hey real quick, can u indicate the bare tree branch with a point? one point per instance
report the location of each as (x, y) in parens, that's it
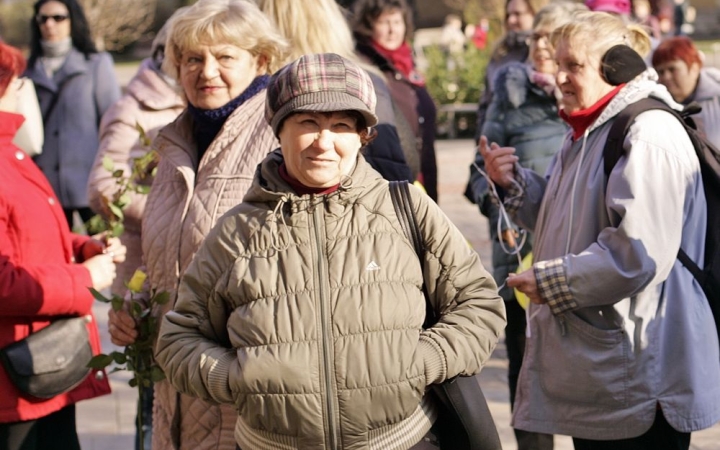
(117, 23)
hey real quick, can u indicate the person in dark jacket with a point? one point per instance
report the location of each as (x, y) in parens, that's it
(381, 29)
(523, 114)
(511, 47)
(75, 85)
(319, 26)
(45, 273)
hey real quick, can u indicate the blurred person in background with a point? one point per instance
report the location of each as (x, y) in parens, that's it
(45, 273)
(523, 114)
(220, 52)
(621, 349)
(319, 26)
(151, 101)
(513, 46)
(75, 85)
(382, 29)
(679, 65)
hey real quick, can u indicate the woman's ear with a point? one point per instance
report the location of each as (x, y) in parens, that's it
(262, 64)
(620, 65)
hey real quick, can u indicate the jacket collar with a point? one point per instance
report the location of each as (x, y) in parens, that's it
(708, 84)
(268, 186)
(74, 64)
(643, 86)
(9, 125)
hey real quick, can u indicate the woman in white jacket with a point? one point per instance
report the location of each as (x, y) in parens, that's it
(622, 350)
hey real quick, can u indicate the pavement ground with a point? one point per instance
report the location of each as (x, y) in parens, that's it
(107, 423)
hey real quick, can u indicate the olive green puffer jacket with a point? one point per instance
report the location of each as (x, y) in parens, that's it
(306, 313)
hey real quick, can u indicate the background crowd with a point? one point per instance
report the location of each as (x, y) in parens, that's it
(273, 128)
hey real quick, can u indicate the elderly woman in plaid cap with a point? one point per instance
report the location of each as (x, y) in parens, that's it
(304, 306)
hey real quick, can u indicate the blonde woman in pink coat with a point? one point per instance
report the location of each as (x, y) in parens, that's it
(151, 101)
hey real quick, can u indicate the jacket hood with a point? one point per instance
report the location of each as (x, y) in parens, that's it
(268, 186)
(643, 86)
(151, 90)
(708, 84)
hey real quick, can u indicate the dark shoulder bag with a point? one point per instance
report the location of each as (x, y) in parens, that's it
(464, 421)
(51, 361)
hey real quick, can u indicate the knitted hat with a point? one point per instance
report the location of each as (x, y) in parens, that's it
(325, 83)
(621, 7)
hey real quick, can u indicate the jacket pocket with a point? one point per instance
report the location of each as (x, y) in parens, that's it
(584, 364)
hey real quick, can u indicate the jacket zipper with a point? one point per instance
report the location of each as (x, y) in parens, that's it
(326, 327)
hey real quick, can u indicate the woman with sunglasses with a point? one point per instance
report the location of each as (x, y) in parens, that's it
(75, 85)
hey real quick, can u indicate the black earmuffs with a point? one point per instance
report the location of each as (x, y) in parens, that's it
(621, 64)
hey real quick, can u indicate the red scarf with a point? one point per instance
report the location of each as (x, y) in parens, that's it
(401, 58)
(579, 121)
(300, 188)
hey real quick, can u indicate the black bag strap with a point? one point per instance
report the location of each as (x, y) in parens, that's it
(613, 150)
(466, 422)
(614, 145)
(402, 202)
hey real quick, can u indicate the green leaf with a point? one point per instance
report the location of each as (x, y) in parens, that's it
(136, 309)
(133, 382)
(142, 189)
(117, 303)
(157, 374)
(161, 298)
(119, 358)
(117, 229)
(108, 164)
(99, 296)
(124, 200)
(100, 361)
(116, 210)
(118, 173)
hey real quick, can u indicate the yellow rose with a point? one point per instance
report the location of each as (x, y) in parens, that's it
(136, 282)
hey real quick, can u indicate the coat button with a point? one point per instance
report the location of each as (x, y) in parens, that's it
(398, 76)
(421, 119)
(99, 375)
(19, 155)
(51, 200)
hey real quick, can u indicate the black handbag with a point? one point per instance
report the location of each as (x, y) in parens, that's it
(464, 421)
(51, 361)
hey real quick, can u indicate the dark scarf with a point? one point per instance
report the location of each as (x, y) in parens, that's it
(579, 121)
(401, 58)
(209, 122)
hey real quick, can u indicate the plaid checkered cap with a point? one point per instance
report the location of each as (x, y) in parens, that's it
(323, 82)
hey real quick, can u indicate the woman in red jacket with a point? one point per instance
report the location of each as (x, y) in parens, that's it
(45, 271)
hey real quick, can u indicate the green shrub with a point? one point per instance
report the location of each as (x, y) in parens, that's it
(455, 79)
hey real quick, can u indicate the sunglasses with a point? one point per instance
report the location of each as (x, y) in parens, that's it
(57, 18)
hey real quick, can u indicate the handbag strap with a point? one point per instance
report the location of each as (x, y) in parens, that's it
(403, 204)
(464, 401)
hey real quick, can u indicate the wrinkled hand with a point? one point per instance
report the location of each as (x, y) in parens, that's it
(122, 328)
(526, 283)
(100, 244)
(102, 270)
(499, 162)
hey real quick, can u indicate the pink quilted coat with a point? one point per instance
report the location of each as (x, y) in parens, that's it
(151, 103)
(186, 200)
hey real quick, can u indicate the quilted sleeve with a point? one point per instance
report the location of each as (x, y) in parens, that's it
(472, 314)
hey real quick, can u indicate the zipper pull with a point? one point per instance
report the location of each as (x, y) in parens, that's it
(563, 326)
